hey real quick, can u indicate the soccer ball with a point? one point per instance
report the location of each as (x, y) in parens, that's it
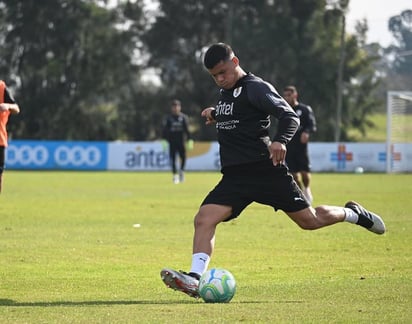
(359, 170)
(217, 286)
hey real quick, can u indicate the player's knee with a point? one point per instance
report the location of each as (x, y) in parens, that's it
(198, 220)
(201, 219)
(210, 217)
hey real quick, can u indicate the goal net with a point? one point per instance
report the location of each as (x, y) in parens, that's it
(399, 132)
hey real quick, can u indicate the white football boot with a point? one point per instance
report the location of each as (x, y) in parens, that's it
(367, 219)
(181, 281)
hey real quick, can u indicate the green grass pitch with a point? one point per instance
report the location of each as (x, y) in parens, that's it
(69, 252)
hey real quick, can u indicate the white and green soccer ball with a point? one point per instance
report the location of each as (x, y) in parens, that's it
(217, 286)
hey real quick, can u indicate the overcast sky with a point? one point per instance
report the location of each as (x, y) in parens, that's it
(377, 13)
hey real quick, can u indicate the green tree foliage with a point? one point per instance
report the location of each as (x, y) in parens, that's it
(69, 58)
(398, 56)
(175, 43)
(285, 42)
(394, 62)
(401, 28)
(77, 65)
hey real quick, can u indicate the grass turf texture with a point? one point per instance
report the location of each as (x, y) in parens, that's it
(69, 252)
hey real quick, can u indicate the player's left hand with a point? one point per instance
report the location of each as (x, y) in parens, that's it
(207, 113)
(277, 152)
(190, 144)
(304, 137)
(4, 107)
(165, 145)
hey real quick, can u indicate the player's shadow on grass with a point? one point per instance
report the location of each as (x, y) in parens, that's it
(12, 303)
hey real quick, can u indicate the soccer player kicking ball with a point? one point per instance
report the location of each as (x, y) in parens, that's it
(253, 168)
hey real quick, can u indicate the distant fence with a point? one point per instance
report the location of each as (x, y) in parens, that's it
(151, 156)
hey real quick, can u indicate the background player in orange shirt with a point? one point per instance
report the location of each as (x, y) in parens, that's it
(7, 106)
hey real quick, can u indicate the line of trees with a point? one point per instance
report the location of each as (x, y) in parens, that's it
(77, 67)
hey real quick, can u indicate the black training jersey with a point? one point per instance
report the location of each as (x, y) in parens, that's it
(175, 128)
(243, 121)
(307, 124)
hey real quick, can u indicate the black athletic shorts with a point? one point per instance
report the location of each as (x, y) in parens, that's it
(2, 158)
(259, 182)
(298, 160)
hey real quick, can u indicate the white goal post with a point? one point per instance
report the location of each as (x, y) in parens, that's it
(399, 131)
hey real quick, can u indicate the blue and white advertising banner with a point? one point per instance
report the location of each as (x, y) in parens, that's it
(401, 156)
(346, 157)
(49, 155)
(153, 156)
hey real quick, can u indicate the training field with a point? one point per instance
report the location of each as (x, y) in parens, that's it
(69, 252)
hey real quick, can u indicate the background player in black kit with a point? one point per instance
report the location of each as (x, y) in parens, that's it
(297, 157)
(176, 133)
(253, 167)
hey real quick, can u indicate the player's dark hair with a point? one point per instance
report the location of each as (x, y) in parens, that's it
(290, 88)
(175, 102)
(216, 53)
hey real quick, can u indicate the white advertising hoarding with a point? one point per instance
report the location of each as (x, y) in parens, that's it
(325, 157)
(346, 157)
(152, 156)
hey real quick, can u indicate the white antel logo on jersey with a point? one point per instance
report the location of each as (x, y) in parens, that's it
(237, 92)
